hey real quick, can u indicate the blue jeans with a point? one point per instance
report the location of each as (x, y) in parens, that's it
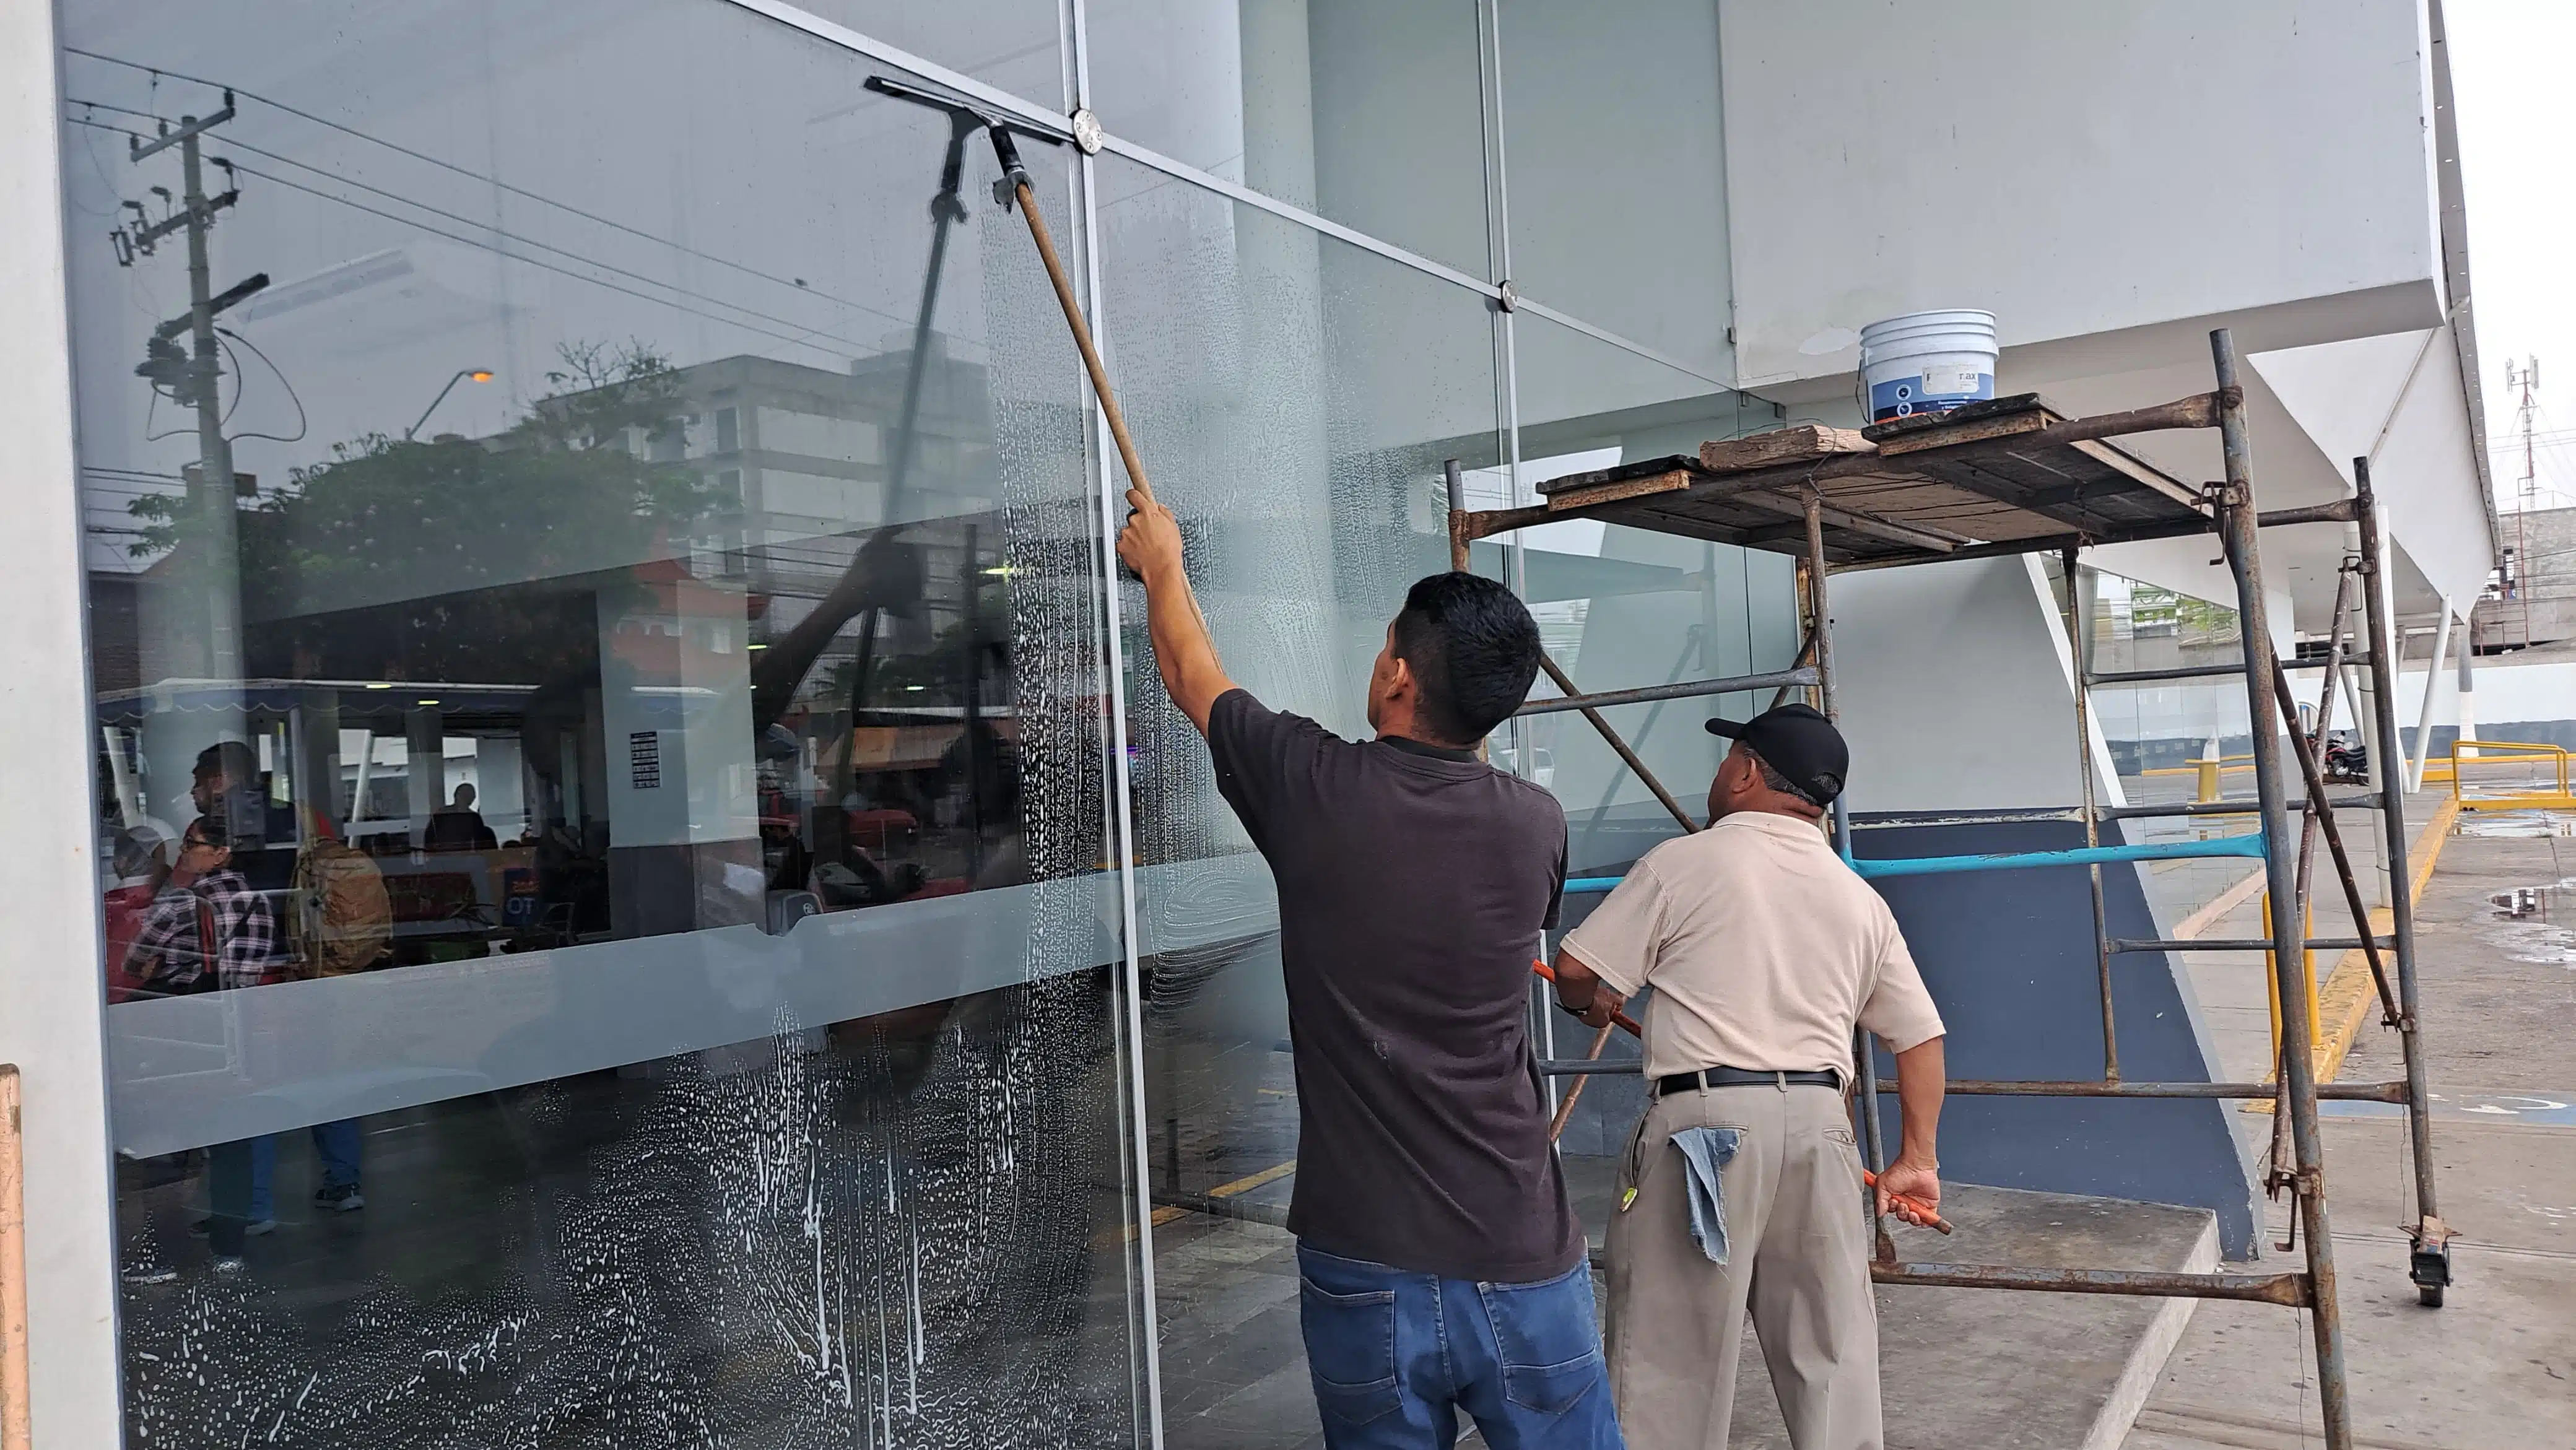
(1395, 1355)
(335, 1144)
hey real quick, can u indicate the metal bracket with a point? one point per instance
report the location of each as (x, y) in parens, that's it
(1086, 131)
(1507, 297)
(2428, 1263)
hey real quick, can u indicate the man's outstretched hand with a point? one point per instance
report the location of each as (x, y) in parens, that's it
(1151, 542)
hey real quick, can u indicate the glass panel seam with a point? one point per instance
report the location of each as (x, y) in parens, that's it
(1115, 664)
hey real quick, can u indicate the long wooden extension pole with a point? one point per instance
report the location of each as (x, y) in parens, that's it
(16, 1430)
(1072, 312)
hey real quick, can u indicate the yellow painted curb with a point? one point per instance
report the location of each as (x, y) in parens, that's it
(2348, 995)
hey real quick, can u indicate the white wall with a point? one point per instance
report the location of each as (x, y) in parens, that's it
(2077, 168)
(1954, 689)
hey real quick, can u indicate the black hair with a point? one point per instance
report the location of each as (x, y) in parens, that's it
(1474, 650)
(1781, 783)
(230, 758)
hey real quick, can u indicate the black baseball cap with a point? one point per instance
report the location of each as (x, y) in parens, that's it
(1798, 742)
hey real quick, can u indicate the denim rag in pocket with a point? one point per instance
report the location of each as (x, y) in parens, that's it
(1705, 1154)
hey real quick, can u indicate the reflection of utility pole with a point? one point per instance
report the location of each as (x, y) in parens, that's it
(2526, 376)
(195, 379)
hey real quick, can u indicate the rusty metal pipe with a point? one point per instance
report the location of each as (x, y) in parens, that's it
(2237, 517)
(2290, 1290)
(1683, 690)
(2430, 1237)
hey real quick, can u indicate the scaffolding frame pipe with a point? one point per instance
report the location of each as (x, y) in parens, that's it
(2430, 1263)
(2079, 639)
(2147, 677)
(2292, 1291)
(1684, 690)
(2243, 551)
(2230, 807)
(1820, 628)
(2239, 944)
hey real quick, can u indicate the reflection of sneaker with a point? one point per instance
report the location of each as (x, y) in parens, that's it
(228, 1263)
(150, 1272)
(339, 1197)
(205, 1227)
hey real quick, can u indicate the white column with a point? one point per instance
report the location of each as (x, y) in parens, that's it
(53, 1024)
(2467, 708)
(2432, 687)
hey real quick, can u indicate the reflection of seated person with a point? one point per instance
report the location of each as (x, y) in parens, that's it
(206, 930)
(139, 857)
(458, 826)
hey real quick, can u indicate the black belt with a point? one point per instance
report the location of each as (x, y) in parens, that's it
(1716, 1077)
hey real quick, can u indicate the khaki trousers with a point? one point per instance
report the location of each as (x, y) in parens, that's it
(1798, 1259)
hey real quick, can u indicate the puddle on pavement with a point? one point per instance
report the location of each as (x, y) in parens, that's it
(2538, 942)
(2523, 925)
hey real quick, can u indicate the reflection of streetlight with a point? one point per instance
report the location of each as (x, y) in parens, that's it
(480, 375)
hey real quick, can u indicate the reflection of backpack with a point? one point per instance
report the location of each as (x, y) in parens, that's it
(343, 920)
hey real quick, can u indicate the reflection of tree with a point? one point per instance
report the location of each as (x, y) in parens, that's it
(391, 519)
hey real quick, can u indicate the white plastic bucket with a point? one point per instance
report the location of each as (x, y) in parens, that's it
(1926, 362)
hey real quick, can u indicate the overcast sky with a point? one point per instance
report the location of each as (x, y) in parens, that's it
(2510, 64)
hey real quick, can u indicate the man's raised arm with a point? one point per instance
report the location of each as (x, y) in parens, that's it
(1151, 545)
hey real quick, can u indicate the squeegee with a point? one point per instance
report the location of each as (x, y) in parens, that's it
(1014, 187)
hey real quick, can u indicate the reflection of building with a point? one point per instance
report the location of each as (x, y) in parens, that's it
(701, 1170)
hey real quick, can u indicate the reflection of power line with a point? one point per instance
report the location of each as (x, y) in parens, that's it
(800, 338)
(793, 340)
(496, 183)
(303, 424)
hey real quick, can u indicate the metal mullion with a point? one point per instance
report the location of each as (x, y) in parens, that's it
(1626, 344)
(1515, 566)
(1237, 191)
(1114, 662)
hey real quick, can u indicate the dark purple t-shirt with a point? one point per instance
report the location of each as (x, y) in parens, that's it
(1413, 885)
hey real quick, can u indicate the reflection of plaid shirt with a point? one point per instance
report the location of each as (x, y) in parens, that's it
(220, 913)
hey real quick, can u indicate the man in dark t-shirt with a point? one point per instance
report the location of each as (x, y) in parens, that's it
(1441, 1265)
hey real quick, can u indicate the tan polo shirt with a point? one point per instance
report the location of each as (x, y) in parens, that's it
(1763, 948)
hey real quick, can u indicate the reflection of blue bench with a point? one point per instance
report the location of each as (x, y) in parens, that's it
(2246, 845)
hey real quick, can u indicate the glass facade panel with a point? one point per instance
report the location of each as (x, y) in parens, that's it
(1624, 607)
(596, 625)
(1367, 113)
(1010, 45)
(1295, 398)
(1617, 187)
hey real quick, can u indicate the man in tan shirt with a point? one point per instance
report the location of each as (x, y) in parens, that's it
(1741, 1187)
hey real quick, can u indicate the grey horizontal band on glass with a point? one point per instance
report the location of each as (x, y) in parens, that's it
(184, 1072)
(1055, 123)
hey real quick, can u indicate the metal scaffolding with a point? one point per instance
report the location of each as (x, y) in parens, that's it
(2011, 477)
